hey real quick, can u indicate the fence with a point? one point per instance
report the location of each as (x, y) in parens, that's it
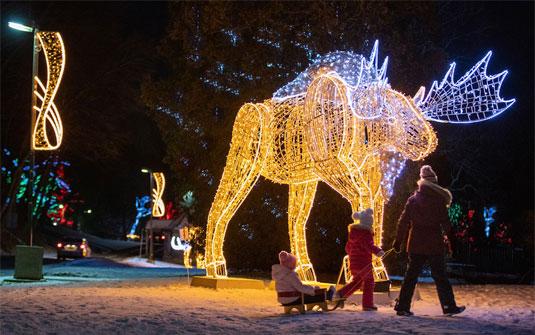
(493, 259)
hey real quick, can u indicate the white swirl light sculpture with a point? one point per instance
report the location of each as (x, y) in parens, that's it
(158, 207)
(340, 122)
(48, 116)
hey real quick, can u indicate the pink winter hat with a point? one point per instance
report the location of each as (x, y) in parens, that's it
(287, 260)
(427, 173)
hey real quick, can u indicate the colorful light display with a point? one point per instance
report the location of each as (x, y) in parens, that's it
(339, 122)
(47, 113)
(142, 210)
(487, 216)
(52, 194)
(158, 206)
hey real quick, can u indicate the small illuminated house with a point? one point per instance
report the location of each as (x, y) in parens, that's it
(169, 232)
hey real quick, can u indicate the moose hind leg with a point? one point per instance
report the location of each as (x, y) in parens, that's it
(244, 163)
(300, 202)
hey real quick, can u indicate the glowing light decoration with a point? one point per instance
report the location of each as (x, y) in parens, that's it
(339, 122)
(158, 207)
(52, 194)
(474, 97)
(141, 211)
(487, 215)
(199, 261)
(179, 245)
(48, 117)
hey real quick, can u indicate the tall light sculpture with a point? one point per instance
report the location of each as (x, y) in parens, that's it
(340, 122)
(45, 119)
(158, 207)
(47, 113)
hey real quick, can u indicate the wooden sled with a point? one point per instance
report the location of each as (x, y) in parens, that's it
(313, 306)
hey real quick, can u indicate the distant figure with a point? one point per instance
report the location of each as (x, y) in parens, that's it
(424, 225)
(288, 285)
(360, 247)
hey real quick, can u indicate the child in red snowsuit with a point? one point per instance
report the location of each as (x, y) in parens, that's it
(360, 247)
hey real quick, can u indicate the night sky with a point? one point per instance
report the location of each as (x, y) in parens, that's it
(109, 136)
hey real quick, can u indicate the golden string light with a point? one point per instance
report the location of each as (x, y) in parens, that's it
(338, 122)
(199, 261)
(47, 113)
(158, 207)
(187, 259)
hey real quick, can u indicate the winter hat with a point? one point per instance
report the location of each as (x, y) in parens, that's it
(365, 218)
(287, 260)
(427, 173)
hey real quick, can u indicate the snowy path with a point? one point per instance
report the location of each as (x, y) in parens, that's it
(170, 306)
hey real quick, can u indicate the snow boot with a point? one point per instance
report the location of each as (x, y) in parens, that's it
(452, 310)
(369, 308)
(338, 303)
(404, 313)
(330, 293)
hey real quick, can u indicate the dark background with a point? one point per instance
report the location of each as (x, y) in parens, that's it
(124, 59)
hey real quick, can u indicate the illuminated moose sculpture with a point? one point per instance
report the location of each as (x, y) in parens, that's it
(340, 122)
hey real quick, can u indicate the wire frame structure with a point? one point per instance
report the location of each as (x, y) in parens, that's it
(48, 129)
(341, 123)
(158, 207)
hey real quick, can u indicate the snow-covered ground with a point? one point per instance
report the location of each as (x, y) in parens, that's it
(142, 263)
(171, 306)
(101, 268)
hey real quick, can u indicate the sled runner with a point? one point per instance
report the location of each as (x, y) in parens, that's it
(302, 307)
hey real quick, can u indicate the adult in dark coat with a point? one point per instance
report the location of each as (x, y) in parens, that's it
(423, 226)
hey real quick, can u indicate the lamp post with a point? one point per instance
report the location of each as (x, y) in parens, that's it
(35, 65)
(150, 237)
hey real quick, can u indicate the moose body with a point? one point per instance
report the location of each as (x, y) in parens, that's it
(338, 122)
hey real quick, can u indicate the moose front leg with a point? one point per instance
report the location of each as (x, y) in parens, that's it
(301, 198)
(372, 175)
(244, 163)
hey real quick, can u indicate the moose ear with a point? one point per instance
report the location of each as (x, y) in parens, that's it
(419, 96)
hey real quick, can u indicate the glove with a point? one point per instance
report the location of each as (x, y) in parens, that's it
(396, 246)
(380, 253)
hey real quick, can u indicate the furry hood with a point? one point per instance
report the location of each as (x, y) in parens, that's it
(444, 192)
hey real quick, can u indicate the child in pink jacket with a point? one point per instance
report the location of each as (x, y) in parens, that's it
(288, 285)
(360, 247)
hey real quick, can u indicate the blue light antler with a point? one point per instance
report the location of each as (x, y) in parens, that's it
(473, 98)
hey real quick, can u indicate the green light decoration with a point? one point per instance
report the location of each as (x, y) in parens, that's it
(455, 213)
(52, 194)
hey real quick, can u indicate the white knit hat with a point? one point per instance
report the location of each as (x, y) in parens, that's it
(427, 173)
(365, 218)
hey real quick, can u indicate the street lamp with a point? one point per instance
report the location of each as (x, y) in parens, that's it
(45, 120)
(20, 27)
(35, 64)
